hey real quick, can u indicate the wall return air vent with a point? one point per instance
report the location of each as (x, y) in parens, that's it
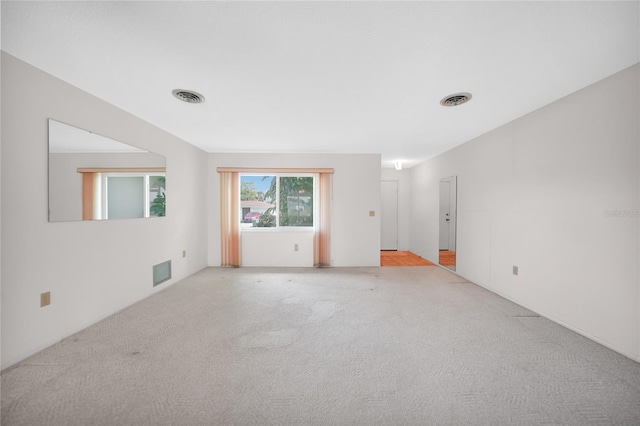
(161, 272)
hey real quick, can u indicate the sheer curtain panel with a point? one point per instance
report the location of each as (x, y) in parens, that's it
(230, 218)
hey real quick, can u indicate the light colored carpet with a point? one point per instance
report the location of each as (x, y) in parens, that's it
(360, 346)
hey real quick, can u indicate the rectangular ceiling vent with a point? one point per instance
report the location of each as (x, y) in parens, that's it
(161, 272)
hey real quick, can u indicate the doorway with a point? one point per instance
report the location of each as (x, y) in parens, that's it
(389, 215)
(447, 224)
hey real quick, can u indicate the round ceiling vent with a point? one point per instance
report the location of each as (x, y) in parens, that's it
(188, 96)
(456, 99)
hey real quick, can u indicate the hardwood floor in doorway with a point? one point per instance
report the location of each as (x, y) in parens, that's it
(447, 258)
(402, 258)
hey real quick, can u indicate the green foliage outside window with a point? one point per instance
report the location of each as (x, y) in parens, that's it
(158, 204)
(248, 192)
(295, 202)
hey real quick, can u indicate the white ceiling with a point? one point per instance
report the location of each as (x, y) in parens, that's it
(311, 77)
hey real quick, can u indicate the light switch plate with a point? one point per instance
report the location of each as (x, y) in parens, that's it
(372, 213)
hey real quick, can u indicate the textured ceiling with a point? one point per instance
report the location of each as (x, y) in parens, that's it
(346, 77)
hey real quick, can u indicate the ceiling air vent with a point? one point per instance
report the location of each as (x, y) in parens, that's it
(188, 96)
(456, 99)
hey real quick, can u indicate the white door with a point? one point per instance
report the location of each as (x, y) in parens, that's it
(445, 214)
(389, 216)
(448, 208)
(453, 208)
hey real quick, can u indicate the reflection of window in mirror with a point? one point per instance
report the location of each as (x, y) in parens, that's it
(157, 195)
(123, 195)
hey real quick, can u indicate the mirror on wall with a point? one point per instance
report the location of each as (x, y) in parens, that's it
(448, 222)
(92, 177)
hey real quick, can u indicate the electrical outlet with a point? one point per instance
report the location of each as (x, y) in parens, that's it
(45, 299)
(295, 247)
(515, 270)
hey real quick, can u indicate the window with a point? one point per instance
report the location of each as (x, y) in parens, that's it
(230, 216)
(272, 201)
(131, 195)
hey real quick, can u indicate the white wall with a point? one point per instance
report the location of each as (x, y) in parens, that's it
(403, 178)
(0, 205)
(535, 193)
(355, 236)
(266, 247)
(91, 268)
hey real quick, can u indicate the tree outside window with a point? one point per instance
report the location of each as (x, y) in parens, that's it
(291, 199)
